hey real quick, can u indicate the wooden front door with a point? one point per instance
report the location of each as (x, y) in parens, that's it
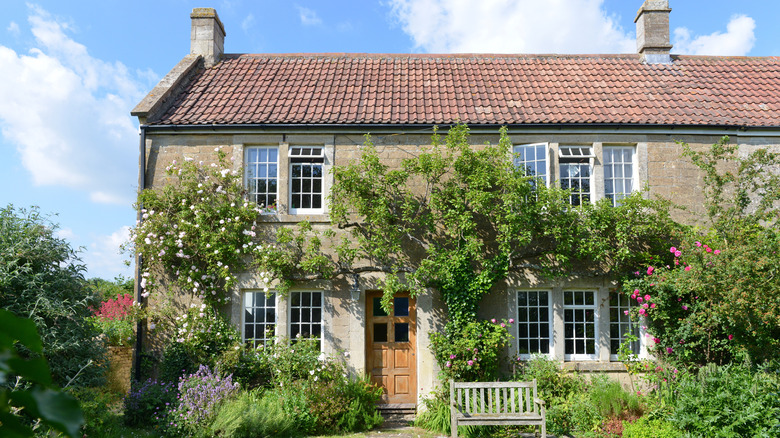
(390, 348)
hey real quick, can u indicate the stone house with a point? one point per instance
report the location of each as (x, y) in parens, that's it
(602, 124)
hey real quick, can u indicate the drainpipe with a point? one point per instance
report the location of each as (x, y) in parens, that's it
(140, 326)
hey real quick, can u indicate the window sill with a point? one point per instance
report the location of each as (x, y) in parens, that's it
(595, 366)
(294, 218)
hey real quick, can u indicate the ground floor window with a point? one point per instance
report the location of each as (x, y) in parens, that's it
(533, 322)
(620, 324)
(259, 317)
(305, 314)
(580, 324)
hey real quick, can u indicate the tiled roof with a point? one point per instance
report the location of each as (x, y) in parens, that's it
(343, 89)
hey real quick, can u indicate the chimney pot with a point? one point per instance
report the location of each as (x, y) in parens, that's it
(652, 32)
(207, 37)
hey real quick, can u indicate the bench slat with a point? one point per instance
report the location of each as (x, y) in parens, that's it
(496, 403)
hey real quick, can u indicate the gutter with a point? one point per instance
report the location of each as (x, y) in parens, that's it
(140, 326)
(514, 129)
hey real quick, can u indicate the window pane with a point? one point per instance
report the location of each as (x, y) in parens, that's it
(402, 332)
(401, 306)
(380, 332)
(378, 307)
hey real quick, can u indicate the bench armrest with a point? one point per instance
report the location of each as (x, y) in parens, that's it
(538, 401)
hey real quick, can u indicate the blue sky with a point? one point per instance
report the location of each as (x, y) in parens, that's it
(71, 71)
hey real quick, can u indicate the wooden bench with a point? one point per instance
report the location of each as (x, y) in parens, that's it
(496, 403)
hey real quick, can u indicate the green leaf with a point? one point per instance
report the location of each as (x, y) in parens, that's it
(57, 409)
(11, 427)
(35, 370)
(14, 328)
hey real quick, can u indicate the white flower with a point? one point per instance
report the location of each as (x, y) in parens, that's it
(316, 378)
(322, 357)
(152, 326)
(145, 294)
(188, 159)
(311, 372)
(346, 354)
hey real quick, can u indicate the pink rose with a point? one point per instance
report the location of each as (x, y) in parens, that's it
(656, 340)
(731, 337)
(625, 312)
(677, 253)
(642, 311)
(717, 251)
(672, 250)
(650, 270)
(511, 320)
(698, 244)
(652, 305)
(669, 350)
(685, 307)
(470, 362)
(639, 299)
(493, 320)
(647, 297)
(687, 268)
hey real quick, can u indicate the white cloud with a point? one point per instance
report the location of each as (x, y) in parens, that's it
(104, 257)
(67, 113)
(248, 22)
(512, 26)
(65, 233)
(308, 16)
(13, 28)
(737, 41)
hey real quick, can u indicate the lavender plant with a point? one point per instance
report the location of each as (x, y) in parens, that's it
(200, 394)
(148, 402)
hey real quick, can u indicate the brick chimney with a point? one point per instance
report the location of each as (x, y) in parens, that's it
(207, 37)
(652, 32)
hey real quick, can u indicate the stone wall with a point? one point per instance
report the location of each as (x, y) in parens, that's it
(120, 361)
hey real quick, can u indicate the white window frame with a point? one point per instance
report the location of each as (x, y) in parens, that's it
(518, 162)
(596, 328)
(316, 155)
(246, 304)
(568, 151)
(291, 308)
(622, 321)
(550, 323)
(247, 183)
(632, 178)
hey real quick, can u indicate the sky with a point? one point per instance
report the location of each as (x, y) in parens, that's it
(71, 72)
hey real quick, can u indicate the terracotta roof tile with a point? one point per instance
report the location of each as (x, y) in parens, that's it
(491, 89)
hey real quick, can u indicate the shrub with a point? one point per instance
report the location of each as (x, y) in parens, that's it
(611, 400)
(731, 400)
(471, 351)
(199, 396)
(252, 414)
(148, 401)
(644, 427)
(553, 382)
(115, 319)
(176, 362)
(42, 278)
(436, 415)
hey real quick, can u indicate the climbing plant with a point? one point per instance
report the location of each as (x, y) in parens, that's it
(460, 217)
(200, 231)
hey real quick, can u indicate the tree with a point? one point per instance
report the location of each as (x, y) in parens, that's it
(41, 278)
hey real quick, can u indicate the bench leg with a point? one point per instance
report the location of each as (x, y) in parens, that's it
(454, 428)
(544, 430)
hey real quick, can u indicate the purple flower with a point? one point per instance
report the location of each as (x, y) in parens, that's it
(452, 356)
(669, 350)
(685, 307)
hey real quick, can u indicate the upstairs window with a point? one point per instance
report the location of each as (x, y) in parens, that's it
(532, 158)
(306, 172)
(576, 163)
(618, 173)
(262, 176)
